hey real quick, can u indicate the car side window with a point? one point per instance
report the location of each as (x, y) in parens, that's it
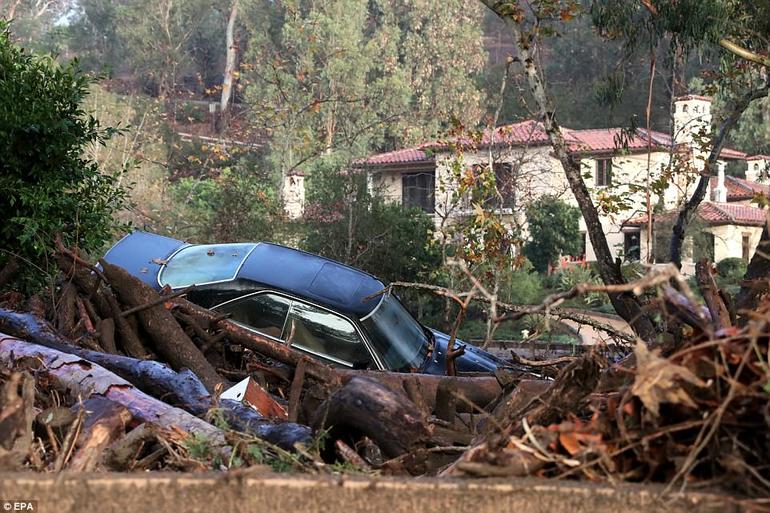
(265, 313)
(325, 334)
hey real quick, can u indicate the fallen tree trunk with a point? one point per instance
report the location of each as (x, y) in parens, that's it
(105, 422)
(181, 389)
(474, 393)
(82, 378)
(365, 406)
(170, 339)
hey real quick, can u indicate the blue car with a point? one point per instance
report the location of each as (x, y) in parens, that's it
(328, 310)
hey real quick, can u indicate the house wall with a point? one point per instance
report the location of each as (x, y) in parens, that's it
(388, 184)
(728, 240)
(539, 174)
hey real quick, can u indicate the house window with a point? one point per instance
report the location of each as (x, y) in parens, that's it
(603, 172)
(417, 190)
(746, 246)
(632, 246)
(504, 180)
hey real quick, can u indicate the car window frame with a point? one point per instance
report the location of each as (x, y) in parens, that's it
(252, 328)
(367, 344)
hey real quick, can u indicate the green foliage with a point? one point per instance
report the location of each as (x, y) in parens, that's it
(346, 222)
(350, 77)
(522, 286)
(235, 205)
(49, 186)
(576, 275)
(731, 270)
(554, 231)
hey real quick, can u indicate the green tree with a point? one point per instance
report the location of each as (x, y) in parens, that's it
(49, 187)
(346, 222)
(157, 35)
(553, 232)
(354, 76)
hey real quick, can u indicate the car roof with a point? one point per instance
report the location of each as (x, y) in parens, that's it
(269, 265)
(304, 274)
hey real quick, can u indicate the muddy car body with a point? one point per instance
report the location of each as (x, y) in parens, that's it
(328, 310)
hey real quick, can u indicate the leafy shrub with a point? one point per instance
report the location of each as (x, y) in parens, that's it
(236, 205)
(731, 269)
(524, 286)
(554, 231)
(578, 274)
(346, 222)
(49, 186)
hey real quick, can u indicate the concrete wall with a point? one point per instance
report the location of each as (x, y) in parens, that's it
(247, 491)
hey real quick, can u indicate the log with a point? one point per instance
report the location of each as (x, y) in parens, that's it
(477, 392)
(170, 339)
(107, 335)
(181, 389)
(17, 398)
(365, 406)
(121, 454)
(66, 310)
(105, 422)
(526, 393)
(573, 384)
(128, 336)
(446, 401)
(82, 378)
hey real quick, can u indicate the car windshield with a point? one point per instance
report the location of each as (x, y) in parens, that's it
(196, 265)
(400, 340)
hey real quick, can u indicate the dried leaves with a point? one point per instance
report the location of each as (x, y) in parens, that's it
(660, 381)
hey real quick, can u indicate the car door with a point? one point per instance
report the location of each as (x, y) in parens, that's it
(316, 331)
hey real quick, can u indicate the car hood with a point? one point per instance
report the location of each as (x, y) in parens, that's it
(142, 254)
(473, 360)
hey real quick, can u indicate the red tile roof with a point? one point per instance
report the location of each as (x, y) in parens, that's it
(741, 189)
(611, 139)
(532, 133)
(407, 155)
(758, 157)
(732, 213)
(693, 97)
(715, 214)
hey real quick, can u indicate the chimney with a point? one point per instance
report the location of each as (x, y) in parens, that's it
(758, 168)
(294, 195)
(692, 117)
(720, 191)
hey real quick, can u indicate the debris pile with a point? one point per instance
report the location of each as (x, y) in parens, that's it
(113, 375)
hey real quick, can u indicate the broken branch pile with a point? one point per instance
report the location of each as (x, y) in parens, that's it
(130, 379)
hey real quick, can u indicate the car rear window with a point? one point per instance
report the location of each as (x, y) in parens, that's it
(208, 263)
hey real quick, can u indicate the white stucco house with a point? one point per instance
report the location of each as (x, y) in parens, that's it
(620, 169)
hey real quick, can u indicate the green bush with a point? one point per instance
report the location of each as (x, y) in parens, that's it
(235, 205)
(524, 286)
(347, 223)
(49, 185)
(554, 231)
(731, 269)
(578, 274)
